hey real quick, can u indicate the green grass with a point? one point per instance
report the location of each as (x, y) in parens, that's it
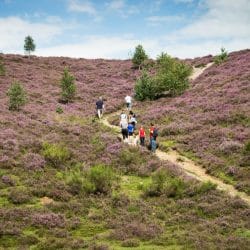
(242, 232)
(166, 144)
(227, 179)
(132, 185)
(190, 155)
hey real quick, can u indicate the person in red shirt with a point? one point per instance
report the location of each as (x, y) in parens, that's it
(142, 136)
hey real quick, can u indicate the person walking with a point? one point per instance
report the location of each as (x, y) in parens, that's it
(130, 131)
(142, 136)
(123, 115)
(151, 131)
(133, 120)
(124, 129)
(128, 100)
(100, 107)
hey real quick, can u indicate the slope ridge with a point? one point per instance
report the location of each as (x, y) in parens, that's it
(191, 168)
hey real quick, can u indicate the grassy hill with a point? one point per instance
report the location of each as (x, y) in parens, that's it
(67, 182)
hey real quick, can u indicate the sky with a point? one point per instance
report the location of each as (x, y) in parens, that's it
(112, 29)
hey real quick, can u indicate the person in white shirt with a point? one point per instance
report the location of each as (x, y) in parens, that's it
(128, 100)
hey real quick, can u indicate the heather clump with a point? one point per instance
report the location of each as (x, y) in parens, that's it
(68, 86)
(48, 220)
(17, 96)
(33, 161)
(19, 195)
(55, 154)
(2, 68)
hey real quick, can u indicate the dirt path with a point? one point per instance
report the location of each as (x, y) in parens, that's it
(191, 168)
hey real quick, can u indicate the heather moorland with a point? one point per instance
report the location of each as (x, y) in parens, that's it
(68, 182)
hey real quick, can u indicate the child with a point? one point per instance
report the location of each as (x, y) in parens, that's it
(142, 136)
(130, 130)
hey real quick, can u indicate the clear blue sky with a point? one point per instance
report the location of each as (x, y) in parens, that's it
(112, 28)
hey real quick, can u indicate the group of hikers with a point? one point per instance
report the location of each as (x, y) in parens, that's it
(128, 123)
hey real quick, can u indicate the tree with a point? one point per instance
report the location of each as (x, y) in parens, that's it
(171, 79)
(68, 86)
(222, 57)
(144, 87)
(139, 56)
(17, 96)
(29, 44)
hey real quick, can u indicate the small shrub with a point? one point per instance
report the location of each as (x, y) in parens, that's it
(222, 57)
(139, 56)
(175, 188)
(102, 178)
(49, 220)
(59, 110)
(57, 155)
(68, 86)
(33, 161)
(97, 179)
(17, 96)
(19, 195)
(157, 185)
(206, 187)
(131, 243)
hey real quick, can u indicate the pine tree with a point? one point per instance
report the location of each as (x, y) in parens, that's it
(68, 86)
(139, 56)
(17, 96)
(29, 45)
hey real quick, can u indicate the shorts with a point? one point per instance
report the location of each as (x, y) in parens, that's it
(130, 133)
(128, 104)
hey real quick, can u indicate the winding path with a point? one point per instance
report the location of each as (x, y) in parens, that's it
(190, 168)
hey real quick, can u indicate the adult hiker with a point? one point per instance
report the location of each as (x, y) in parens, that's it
(153, 139)
(151, 131)
(142, 135)
(128, 100)
(124, 128)
(133, 120)
(123, 115)
(100, 107)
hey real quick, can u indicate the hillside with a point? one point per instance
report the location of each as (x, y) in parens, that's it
(55, 192)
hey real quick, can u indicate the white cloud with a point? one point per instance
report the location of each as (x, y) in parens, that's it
(14, 29)
(116, 4)
(121, 7)
(99, 47)
(224, 19)
(84, 6)
(157, 20)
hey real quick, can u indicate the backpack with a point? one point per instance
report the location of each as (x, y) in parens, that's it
(155, 132)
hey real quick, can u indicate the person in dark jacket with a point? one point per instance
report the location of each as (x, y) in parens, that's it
(100, 107)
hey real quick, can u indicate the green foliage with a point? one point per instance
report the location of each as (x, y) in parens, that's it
(163, 184)
(222, 57)
(206, 187)
(156, 187)
(171, 79)
(17, 96)
(2, 68)
(68, 86)
(144, 88)
(29, 45)
(172, 75)
(247, 148)
(102, 178)
(139, 56)
(59, 110)
(97, 179)
(56, 154)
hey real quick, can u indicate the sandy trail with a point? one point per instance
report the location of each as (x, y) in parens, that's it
(190, 168)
